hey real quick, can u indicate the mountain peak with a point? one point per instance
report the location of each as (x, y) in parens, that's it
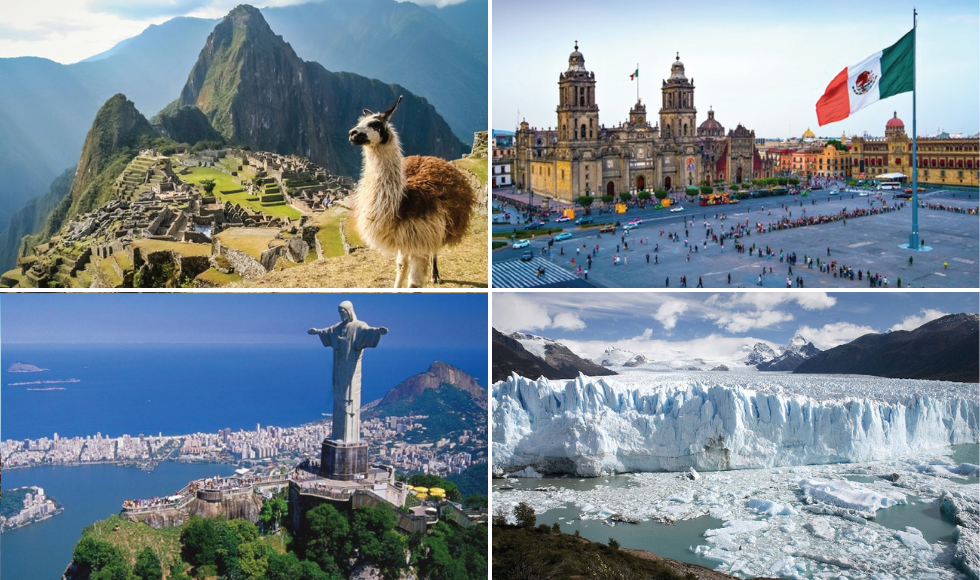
(438, 374)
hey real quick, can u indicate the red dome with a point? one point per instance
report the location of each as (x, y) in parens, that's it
(895, 121)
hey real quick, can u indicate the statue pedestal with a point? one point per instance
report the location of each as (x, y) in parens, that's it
(343, 461)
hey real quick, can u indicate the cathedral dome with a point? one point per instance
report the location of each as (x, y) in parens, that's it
(895, 122)
(711, 126)
(808, 134)
(576, 61)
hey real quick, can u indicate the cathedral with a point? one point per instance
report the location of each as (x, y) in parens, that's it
(582, 157)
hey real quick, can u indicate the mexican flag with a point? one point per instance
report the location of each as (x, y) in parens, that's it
(635, 74)
(884, 74)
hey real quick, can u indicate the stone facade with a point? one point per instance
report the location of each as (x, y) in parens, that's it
(343, 461)
(582, 157)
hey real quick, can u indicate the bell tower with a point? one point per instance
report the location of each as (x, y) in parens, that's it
(578, 115)
(677, 112)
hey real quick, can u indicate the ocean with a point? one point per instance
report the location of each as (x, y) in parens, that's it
(179, 389)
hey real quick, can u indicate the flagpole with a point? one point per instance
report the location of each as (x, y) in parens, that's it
(914, 243)
(637, 82)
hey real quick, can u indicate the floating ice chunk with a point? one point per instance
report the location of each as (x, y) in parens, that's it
(848, 495)
(735, 527)
(861, 534)
(788, 527)
(682, 497)
(586, 507)
(770, 508)
(526, 472)
(786, 568)
(694, 474)
(821, 528)
(912, 538)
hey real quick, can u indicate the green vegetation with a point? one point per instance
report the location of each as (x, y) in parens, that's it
(586, 200)
(182, 248)
(625, 196)
(495, 245)
(448, 409)
(430, 481)
(208, 185)
(644, 195)
(607, 198)
(690, 191)
(329, 233)
(524, 234)
(523, 551)
(660, 194)
(216, 278)
(706, 189)
(252, 241)
(12, 501)
(452, 553)
(475, 165)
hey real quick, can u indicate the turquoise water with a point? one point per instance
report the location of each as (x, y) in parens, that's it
(88, 493)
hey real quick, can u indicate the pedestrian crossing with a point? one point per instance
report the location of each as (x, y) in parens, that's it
(517, 274)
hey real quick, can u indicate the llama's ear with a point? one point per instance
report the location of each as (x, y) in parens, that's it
(368, 112)
(391, 109)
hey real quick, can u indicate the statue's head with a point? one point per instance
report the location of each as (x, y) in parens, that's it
(346, 310)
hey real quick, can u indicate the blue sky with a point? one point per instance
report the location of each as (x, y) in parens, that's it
(435, 320)
(67, 31)
(717, 323)
(763, 63)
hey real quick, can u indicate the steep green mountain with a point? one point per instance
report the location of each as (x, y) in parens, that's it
(256, 91)
(185, 124)
(117, 134)
(31, 218)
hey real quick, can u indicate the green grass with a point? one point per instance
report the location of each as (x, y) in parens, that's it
(225, 182)
(184, 249)
(498, 244)
(215, 277)
(524, 234)
(123, 260)
(477, 166)
(84, 279)
(329, 234)
(353, 237)
(110, 274)
(132, 538)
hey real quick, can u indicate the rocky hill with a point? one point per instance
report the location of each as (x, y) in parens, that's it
(944, 349)
(256, 91)
(552, 360)
(439, 373)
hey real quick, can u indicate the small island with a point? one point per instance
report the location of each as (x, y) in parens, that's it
(19, 367)
(25, 505)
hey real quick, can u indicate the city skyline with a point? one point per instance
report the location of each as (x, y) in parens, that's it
(779, 57)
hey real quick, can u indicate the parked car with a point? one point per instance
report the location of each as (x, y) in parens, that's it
(521, 244)
(636, 221)
(527, 256)
(563, 236)
(834, 192)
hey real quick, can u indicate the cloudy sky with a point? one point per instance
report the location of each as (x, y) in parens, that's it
(68, 31)
(763, 63)
(716, 325)
(440, 320)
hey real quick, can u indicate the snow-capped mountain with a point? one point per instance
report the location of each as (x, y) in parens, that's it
(617, 357)
(717, 421)
(787, 358)
(536, 356)
(760, 353)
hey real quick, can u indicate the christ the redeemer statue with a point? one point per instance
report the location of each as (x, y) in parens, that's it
(348, 338)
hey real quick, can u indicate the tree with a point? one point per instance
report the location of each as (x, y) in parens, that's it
(525, 515)
(252, 560)
(556, 528)
(613, 544)
(644, 195)
(794, 181)
(706, 189)
(781, 181)
(198, 542)
(690, 191)
(476, 501)
(607, 198)
(735, 186)
(325, 538)
(585, 200)
(625, 196)
(208, 185)
(272, 513)
(660, 194)
(373, 531)
(148, 566)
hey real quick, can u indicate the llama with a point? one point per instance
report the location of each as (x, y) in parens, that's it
(410, 207)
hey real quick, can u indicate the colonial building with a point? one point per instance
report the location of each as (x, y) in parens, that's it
(503, 158)
(580, 156)
(941, 161)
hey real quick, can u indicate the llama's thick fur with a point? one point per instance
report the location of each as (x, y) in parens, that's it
(407, 207)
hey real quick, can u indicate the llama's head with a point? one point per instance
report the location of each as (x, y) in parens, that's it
(374, 128)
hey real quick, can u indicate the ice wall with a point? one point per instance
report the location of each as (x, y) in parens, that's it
(655, 422)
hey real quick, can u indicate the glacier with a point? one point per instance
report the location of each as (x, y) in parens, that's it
(642, 421)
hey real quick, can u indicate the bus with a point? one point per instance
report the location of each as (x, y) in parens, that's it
(889, 185)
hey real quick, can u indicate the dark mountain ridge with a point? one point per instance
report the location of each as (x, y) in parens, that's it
(945, 349)
(510, 356)
(438, 374)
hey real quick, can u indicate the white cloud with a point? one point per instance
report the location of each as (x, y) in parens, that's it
(668, 313)
(768, 300)
(831, 335)
(710, 348)
(916, 320)
(522, 312)
(744, 321)
(568, 321)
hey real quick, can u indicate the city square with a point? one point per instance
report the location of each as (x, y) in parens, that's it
(780, 180)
